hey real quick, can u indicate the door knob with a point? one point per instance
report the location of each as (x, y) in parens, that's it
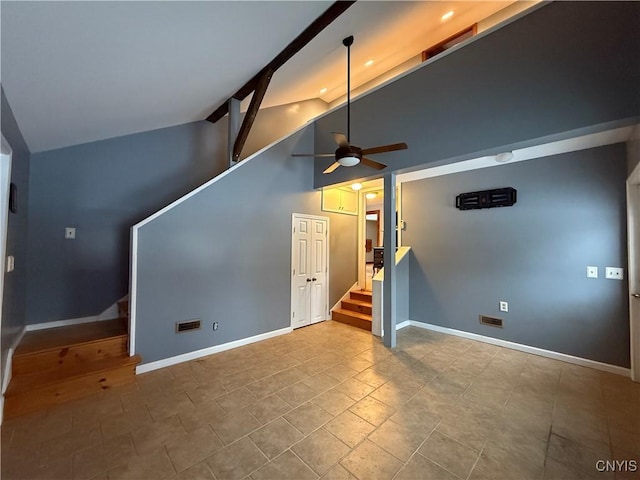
(635, 295)
(308, 279)
(314, 279)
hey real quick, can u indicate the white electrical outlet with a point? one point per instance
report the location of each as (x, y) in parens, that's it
(504, 306)
(70, 233)
(614, 273)
(11, 263)
(592, 272)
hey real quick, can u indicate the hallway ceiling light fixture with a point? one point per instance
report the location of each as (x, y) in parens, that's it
(371, 195)
(368, 63)
(504, 157)
(323, 91)
(356, 186)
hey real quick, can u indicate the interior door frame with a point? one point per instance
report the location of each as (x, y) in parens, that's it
(633, 233)
(5, 181)
(294, 216)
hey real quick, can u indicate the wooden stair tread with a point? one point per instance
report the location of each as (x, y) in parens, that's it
(360, 303)
(351, 313)
(368, 293)
(26, 382)
(60, 337)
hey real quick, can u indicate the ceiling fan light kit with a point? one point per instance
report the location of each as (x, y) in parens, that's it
(348, 155)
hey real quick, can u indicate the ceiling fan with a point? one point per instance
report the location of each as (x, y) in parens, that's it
(348, 155)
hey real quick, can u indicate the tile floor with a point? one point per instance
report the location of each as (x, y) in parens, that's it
(329, 401)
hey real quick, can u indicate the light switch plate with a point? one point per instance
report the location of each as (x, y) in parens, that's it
(614, 273)
(11, 263)
(70, 233)
(592, 272)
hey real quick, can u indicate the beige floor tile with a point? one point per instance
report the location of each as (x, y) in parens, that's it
(554, 470)
(575, 455)
(268, 409)
(399, 440)
(236, 399)
(370, 461)
(372, 410)
(287, 465)
(392, 395)
(320, 451)
(199, 471)
(290, 376)
(276, 437)
(265, 387)
(371, 377)
(236, 461)
(333, 401)
(308, 417)
(206, 392)
(234, 425)
(296, 394)
(237, 380)
(354, 388)
(155, 465)
(187, 450)
(150, 438)
(338, 472)
(449, 454)
(350, 428)
(488, 468)
(125, 422)
(340, 372)
(96, 460)
(421, 468)
(66, 445)
(320, 382)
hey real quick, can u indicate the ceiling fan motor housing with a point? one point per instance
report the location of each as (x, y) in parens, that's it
(348, 151)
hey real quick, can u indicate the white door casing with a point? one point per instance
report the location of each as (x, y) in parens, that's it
(309, 270)
(633, 229)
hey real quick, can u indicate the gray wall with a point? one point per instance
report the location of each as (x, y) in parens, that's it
(102, 189)
(567, 66)
(570, 213)
(15, 283)
(225, 254)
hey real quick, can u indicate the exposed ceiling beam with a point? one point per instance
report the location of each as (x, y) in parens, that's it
(319, 24)
(250, 116)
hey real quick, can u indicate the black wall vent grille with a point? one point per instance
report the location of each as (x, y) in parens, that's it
(499, 197)
(187, 326)
(491, 321)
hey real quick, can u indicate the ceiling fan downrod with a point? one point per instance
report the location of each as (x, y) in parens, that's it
(347, 42)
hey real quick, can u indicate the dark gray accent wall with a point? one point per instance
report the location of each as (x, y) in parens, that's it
(570, 213)
(102, 189)
(224, 255)
(15, 283)
(567, 67)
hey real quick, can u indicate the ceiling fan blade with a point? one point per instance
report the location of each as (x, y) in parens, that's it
(384, 148)
(372, 163)
(340, 139)
(332, 167)
(313, 154)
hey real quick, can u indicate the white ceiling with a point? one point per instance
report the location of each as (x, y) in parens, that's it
(75, 72)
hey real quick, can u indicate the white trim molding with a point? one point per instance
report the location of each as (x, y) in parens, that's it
(62, 323)
(186, 357)
(563, 357)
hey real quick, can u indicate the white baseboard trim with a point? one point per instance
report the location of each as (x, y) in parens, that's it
(584, 362)
(64, 323)
(6, 378)
(344, 297)
(185, 357)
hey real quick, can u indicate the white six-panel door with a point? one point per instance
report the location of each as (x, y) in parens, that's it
(309, 270)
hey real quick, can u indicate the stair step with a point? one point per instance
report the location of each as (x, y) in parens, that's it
(362, 295)
(65, 358)
(357, 306)
(352, 318)
(34, 391)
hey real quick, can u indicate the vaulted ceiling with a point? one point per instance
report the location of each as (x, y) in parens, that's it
(75, 72)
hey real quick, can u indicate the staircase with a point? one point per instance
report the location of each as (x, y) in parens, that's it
(356, 310)
(57, 365)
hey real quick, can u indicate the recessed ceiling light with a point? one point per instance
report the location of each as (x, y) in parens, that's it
(504, 157)
(323, 91)
(368, 63)
(356, 186)
(447, 15)
(371, 195)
